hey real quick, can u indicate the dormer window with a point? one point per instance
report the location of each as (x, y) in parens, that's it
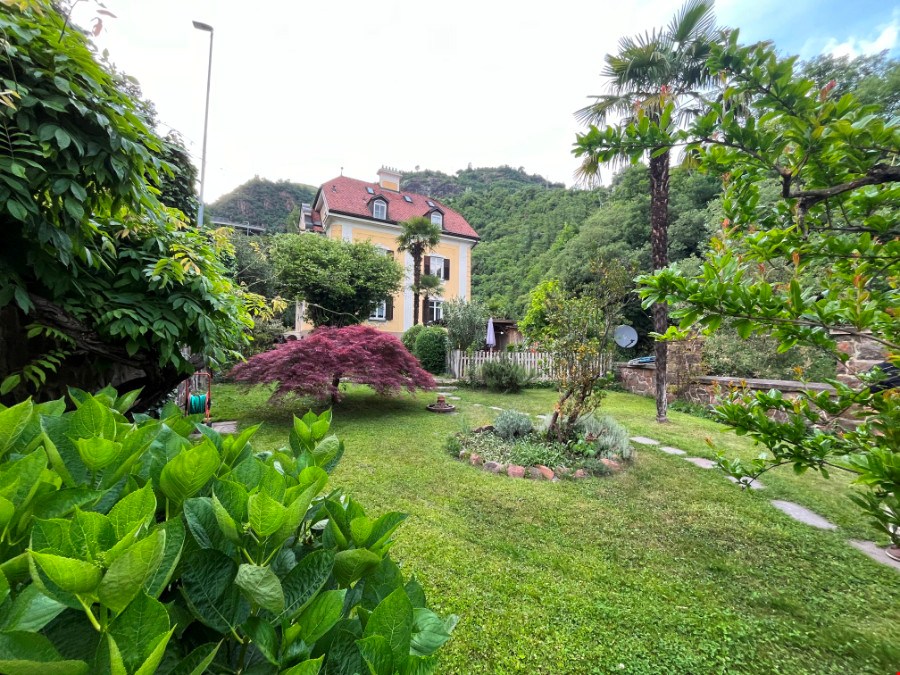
(437, 218)
(379, 209)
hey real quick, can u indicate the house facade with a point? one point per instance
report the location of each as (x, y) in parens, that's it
(355, 210)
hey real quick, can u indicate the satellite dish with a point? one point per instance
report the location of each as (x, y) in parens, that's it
(625, 336)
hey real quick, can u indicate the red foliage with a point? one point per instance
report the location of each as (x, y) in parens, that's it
(315, 365)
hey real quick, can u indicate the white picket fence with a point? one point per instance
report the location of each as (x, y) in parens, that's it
(461, 365)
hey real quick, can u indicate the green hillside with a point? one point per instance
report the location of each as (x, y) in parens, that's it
(443, 186)
(263, 202)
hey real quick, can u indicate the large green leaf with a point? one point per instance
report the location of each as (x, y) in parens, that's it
(208, 585)
(233, 497)
(175, 535)
(343, 656)
(63, 502)
(383, 528)
(12, 423)
(97, 453)
(320, 615)
(73, 576)
(305, 580)
(265, 513)
(187, 473)
(134, 509)
(309, 667)
(149, 666)
(261, 587)
(93, 419)
(137, 628)
(91, 534)
(116, 660)
(33, 654)
(7, 511)
(128, 574)
(353, 564)
(393, 620)
(200, 516)
(226, 523)
(376, 652)
(30, 611)
(429, 631)
(197, 662)
(419, 665)
(264, 637)
(19, 479)
(52, 535)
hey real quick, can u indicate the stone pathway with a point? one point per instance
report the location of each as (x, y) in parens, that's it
(701, 462)
(803, 514)
(795, 511)
(225, 427)
(752, 483)
(493, 407)
(875, 553)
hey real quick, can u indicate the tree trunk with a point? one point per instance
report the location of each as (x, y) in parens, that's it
(417, 277)
(659, 245)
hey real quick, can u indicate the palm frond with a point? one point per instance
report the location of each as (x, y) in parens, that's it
(603, 107)
(695, 21)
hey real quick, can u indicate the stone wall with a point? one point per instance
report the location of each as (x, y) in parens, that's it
(864, 353)
(707, 389)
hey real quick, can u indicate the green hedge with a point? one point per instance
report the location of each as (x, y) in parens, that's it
(431, 349)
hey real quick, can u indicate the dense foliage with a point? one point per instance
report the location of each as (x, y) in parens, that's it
(97, 278)
(835, 161)
(443, 186)
(503, 376)
(431, 349)
(341, 282)
(410, 335)
(315, 365)
(273, 205)
(512, 424)
(127, 547)
(466, 323)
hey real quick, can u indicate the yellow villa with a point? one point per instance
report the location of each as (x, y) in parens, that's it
(355, 210)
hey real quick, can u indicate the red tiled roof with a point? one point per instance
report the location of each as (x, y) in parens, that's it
(349, 196)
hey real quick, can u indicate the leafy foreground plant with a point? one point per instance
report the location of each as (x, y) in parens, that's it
(127, 547)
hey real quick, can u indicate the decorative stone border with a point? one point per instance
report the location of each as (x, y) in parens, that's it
(538, 472)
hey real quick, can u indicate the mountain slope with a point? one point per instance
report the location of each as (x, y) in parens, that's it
(262, 202)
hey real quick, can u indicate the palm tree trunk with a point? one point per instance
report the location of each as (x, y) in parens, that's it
(659, 245)
(417, 277)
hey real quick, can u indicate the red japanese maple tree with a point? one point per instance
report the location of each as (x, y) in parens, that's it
(315, 365)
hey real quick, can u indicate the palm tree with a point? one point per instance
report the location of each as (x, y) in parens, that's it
(650, 73)
(418, 235)
(429, 286)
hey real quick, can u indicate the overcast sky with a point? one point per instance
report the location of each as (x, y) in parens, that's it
(301, 89)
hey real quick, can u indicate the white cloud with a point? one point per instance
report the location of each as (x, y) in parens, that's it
(855, 46)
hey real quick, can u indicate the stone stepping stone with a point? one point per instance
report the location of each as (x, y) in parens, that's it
(225, 427)
(493, 407)
(671, 451)
(875, 553)
(753, 484)
(803, 514)
(701, 462)
(643, 440)
(454, 398)
(445, 387)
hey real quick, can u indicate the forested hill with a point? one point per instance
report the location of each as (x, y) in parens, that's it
(263, 202)
(531, 228)
(443, 186)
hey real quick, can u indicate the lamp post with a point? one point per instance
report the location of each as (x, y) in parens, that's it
(205, 27)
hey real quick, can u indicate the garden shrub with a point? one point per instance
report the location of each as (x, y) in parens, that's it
(431, 349)
(409, 337)
(602, 437)
(504, 376)
(126, 545)
(512, 424)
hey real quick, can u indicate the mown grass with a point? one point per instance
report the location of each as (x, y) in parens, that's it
(666, 568)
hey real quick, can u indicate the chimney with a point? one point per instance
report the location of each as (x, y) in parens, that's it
(389, 179)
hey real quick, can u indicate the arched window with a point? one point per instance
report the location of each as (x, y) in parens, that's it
(437, 218)
(379, 209)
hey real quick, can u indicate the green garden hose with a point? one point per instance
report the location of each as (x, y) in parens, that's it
(197, 404)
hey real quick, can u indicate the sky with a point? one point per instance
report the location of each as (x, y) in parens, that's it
(301, 91)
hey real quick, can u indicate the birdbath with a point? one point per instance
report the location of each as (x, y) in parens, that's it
(441, 406)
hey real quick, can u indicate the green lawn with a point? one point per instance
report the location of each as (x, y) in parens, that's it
(665, 568)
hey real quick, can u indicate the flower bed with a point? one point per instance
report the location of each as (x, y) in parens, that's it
(514, 447)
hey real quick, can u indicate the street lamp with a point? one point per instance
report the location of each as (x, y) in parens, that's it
(204, 26)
